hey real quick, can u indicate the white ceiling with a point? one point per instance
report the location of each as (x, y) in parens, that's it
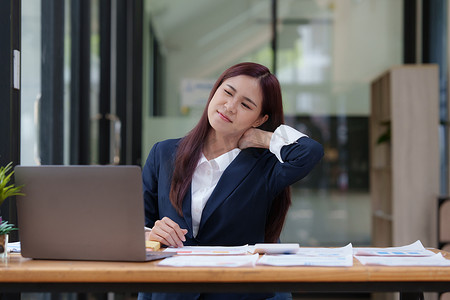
(214, 33)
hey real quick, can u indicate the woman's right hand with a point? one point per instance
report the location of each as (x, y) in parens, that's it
(168, 233)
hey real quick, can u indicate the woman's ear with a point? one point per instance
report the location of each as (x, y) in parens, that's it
(260, 121)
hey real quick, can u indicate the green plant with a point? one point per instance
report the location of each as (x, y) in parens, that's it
(6, 227)
(6, 189)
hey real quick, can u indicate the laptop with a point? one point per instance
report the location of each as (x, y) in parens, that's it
(82, 213)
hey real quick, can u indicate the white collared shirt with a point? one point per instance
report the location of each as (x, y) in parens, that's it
(204, 180)
(208, 173)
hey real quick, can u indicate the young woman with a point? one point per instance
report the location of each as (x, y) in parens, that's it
(227, 181)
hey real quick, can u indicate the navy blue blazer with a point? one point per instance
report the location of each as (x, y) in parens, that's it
(236, 211)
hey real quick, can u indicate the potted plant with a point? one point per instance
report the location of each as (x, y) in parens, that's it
(7, 189)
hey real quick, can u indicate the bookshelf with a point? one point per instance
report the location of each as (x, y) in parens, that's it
(404, 155)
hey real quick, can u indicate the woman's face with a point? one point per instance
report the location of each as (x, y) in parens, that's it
(236, 106)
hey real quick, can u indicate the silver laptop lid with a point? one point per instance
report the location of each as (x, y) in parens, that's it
(81, 212)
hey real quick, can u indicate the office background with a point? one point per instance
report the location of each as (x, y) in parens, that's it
(101, 81)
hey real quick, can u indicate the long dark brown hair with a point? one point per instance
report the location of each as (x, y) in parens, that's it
(190, 147)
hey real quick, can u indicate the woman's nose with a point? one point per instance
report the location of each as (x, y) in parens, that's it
(230, 105)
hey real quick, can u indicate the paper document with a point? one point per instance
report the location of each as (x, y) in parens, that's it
(326, 257)
(410, 255)
(342, 251)
(210, 250)
(435, 260)
(414, 249)
(210, 261)
(14, 247)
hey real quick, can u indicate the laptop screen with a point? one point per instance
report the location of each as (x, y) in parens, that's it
(81, 212)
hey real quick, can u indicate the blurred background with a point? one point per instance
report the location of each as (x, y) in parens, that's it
(153, 63)
(103, 80)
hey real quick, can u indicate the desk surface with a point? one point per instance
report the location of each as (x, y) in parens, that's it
(18, 272)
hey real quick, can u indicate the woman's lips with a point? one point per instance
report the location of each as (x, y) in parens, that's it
(223, 117)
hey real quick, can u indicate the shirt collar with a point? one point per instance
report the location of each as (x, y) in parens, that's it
(222, 161)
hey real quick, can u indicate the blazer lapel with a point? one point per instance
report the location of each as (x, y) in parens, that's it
(230, 179)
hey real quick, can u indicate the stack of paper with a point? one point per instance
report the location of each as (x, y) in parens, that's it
(210, 250)
(210, 256)
(210, 261)
(274, 255)
(410, 255)
(328, 257)
(292, 255)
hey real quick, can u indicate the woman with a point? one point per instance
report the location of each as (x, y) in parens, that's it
(227, 181)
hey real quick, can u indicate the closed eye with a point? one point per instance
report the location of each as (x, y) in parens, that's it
(247, 100)
(245, 105)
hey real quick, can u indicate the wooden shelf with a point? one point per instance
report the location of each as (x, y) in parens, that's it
(404, 170)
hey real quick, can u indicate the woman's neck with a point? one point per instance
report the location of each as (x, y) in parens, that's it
(216, 145)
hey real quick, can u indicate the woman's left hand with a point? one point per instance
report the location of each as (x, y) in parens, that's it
(256, 138)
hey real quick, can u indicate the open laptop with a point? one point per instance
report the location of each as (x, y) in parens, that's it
(82, 213)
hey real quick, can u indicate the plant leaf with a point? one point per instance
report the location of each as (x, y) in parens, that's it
(384, 138)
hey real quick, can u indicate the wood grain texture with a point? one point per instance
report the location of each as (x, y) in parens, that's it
(18, 269)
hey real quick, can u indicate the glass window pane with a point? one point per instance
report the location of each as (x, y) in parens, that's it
(31, 66)
(67, 78)
(328, 52)
(30, 79)
(95, 81)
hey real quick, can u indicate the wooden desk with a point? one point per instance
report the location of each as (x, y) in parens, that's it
(19, 274)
